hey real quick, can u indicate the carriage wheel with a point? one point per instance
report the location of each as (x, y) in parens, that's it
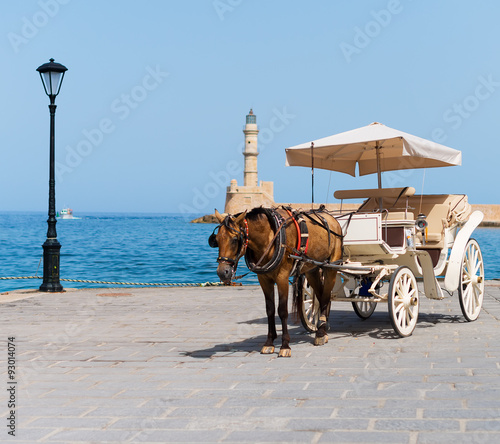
(403, 301)
(364, 309)
(307, 304)
(471, 287)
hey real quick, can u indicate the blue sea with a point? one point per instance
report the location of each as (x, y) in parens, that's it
(156, 248)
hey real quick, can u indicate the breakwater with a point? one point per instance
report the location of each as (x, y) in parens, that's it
(491, 212)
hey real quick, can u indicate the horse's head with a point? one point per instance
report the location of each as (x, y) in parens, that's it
(232, 241)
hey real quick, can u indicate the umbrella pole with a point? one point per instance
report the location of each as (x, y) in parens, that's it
(312, 175)
(379, 174)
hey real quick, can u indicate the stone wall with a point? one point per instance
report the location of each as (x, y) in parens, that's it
(241, 198)
(491, 214)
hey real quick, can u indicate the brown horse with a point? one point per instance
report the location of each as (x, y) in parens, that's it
(267, 238)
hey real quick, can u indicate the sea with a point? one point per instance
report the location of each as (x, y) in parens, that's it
(132, 247)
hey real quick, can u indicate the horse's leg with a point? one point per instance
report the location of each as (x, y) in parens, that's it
(315, 281)
(267, 286)
(282, 284)
(329, 277)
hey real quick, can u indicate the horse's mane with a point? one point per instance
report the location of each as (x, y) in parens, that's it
(256, 213)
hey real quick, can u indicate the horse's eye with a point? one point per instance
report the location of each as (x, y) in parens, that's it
(234, 241)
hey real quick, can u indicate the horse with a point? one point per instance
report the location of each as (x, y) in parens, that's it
(268, 237)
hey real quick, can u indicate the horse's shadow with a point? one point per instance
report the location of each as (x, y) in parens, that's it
(253, 343)
(342, 325)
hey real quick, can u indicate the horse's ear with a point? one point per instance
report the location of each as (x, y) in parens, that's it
(219, 216)
(240, 218)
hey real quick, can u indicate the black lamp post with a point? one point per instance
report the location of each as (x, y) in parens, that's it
(52, 75)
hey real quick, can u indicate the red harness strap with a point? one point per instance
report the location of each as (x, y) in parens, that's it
(299, 234)
(246, 234)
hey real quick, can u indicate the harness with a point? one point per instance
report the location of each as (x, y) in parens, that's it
(277, 223)
(323, 223)
(302, 231)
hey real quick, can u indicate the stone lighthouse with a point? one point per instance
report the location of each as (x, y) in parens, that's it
(252, 193)
(250, 151)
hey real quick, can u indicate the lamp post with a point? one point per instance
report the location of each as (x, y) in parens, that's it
(52, 75)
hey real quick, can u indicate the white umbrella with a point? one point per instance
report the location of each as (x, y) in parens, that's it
(375, 148)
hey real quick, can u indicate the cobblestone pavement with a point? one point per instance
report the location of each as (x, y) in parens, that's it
(183, 365)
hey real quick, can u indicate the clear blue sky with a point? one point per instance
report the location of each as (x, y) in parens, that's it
(152, 107)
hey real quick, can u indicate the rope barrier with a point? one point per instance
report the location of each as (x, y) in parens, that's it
(21, 277)
(142, 284)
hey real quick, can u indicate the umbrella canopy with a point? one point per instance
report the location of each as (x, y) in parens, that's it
(375, 148)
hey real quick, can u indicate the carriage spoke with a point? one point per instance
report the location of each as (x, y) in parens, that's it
(468, 300)
(364, 309)
(477, 293)
(399, 307)
(466, 281)
(408, 317)
(473, 298)
(412, 314)
(478, 266)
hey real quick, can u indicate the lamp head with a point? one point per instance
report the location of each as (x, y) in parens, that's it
(420, 223)
(52, 75)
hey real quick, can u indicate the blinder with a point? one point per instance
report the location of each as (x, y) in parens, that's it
(212, 240)
(242, 242)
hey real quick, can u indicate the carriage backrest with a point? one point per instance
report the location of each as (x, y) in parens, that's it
(441, 211)
(456, 204)
(447, 209)
(391, 193)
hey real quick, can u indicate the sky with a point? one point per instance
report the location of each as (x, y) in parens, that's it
(151, 110)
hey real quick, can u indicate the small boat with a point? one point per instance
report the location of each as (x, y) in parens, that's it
(66, 213)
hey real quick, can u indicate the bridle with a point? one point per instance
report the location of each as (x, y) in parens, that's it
(277, 223)
(242, 241)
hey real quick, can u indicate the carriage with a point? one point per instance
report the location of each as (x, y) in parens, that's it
(373, 254)
(396, 237)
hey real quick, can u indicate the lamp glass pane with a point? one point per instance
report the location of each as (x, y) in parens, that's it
(51, 81)
(46, 82)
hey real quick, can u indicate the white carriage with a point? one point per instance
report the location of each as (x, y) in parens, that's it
(396, 237)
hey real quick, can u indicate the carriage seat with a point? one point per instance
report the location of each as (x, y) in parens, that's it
(436, 217)
(441, 211)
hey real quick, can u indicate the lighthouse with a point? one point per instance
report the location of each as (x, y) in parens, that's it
(250, 151)
(253, 193)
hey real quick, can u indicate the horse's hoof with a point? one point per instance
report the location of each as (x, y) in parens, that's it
(267, 350)
(320, 340)
(285, 353)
